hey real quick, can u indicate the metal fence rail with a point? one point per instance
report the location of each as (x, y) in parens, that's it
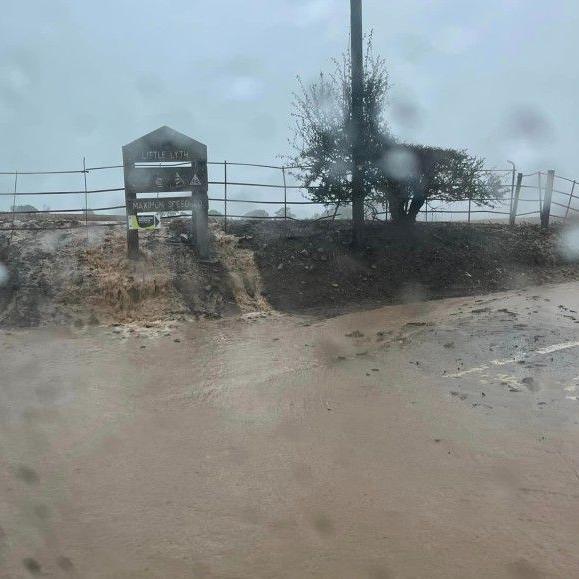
(561, 197)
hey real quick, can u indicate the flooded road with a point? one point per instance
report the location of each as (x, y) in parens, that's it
(430, 440)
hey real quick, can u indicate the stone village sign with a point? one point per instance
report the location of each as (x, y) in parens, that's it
(166, 161)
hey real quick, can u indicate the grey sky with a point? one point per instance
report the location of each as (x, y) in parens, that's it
(83, 78)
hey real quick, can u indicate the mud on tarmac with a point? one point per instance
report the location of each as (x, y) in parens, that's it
(385, 443)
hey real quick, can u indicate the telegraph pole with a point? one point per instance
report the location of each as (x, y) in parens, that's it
(358, 181)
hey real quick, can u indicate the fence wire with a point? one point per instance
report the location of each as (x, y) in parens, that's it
(532, 190)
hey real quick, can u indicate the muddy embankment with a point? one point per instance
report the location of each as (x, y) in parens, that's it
(81, 276)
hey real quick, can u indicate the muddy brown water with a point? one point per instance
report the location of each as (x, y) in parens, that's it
(431, 440)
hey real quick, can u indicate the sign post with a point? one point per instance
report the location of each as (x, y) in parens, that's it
(166, 161)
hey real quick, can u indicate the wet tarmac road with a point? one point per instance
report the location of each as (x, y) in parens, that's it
(430, 440)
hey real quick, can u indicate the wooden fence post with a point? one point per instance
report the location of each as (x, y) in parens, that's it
(513, 178)
(14, 204)
(515, 206)
(85, 196)
(570, 200)
(540, 187)
(225, 196)
(546, 213)
(284, 194)
(469, 205)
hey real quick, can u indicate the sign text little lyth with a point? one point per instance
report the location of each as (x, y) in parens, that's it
(151, 156)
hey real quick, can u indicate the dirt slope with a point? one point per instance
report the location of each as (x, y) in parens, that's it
(313, 266)
(69, 277)
(79, 277)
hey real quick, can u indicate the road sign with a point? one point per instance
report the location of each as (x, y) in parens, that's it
(165, 145)
(147, 222)
(159, 205)
(145, 172)
(195, 181)
(148, 179)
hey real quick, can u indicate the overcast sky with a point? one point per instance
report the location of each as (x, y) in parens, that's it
(498, 77)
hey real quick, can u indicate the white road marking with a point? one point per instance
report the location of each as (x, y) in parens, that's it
(503, 362)
(557, 347)
(506, 361)
(512, 381)
(470, 371)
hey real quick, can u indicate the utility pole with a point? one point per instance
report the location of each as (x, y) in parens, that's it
(358, 181)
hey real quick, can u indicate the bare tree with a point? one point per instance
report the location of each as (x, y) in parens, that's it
(404, 176)
(322, 137)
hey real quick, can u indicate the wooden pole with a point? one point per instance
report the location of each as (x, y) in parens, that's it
(130, 195)
(200, 223)
(513, 179)
(545, 216)
(225, 195)
(358, 184)
(469, 206)
(196, 209)
(200, 211)
(570, 200)
(515, 206)
(540, 186)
